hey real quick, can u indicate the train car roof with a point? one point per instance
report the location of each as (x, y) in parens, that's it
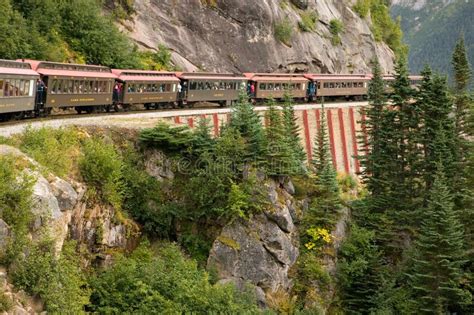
(144, 75)
(276, 77)
(16, 67)
(337, 76)
(209, 76)
(71, 70)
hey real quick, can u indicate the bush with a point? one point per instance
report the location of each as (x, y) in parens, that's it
(362, 7)
(55, 149)
(284, 31)
(5, 303)
(336, 27)
(59, 281)
(101, 167)
(162, 282)
(308, 21)
(15, 205)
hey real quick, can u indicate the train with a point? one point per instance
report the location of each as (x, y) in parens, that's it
(31, 88)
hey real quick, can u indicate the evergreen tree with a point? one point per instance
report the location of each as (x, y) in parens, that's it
(325, 207)
(376, 171)
(280, 158)
(247, 122)
(405, 186)
(202, 140)
(462, 77)
(292, 130)
(436, 274)
(437, 130)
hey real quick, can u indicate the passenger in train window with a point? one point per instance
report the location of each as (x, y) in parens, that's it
(270, 86)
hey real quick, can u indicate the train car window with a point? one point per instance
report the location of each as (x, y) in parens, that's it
(168, 87)
(1, 88)
(75, 89)
(319, 85)
(343, 85)
(26, 87)
(285, 86)
(65, 86)
(277, 86)
(331, 85)
(262, 86)
(298, 86)
(6, 88)
(326, 85)
(16, 88)
(193, 85)
(22, 87)
(54, 85)
(338, 85)
(86, 87)
(270, 86)
(70, 86)
(349, 85)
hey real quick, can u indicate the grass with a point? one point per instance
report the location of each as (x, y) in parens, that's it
(308, 21)
(284, 31)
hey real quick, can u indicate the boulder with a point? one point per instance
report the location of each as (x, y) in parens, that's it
(65, 194)
(158, 166)
(261, 250)
(280, 214)
(45, 204)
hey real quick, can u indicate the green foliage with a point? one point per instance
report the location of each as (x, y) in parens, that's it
(335, 28)
(64, 31)
(308, 21)
(59, 281)
(15, 204)
(55, 149)
(284, 31)
(6, 303)
(247, 123)
(290, 122)
(359, 271)
(280, 156)
(362, 7)
(165, 282)
(101, 167)
(159, 60)
(383, 27)
(170, 139)
(437, 276)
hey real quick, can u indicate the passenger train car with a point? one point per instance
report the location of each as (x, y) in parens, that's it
(30, 88)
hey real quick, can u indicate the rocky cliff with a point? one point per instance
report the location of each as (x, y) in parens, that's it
(239, 36)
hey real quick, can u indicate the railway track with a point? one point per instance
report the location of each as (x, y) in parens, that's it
(138, 118)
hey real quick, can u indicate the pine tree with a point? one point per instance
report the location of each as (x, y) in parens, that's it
(404, 183)
(376, 161)
(202, 140)
(437, 129)
(292, 130)
(247, 122)
(436, 274)
(322, 162)
(462, 77)
(280, 158)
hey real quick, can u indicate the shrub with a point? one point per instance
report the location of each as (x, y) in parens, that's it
(15, 205)
(308, 21)
(284, 31)
(163, 281)
(5, 303)
(362, 7)
(55, 149)
(101, 167)
(59, 281)
(336, 27)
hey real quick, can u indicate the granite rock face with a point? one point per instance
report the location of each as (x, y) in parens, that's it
(259, 251)
(239, 36)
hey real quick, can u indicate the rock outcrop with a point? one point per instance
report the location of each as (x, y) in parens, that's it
(239, 36)
(61, 210)
(259, 251)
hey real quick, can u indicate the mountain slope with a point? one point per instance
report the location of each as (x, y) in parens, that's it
(432, 28)
(227, 35)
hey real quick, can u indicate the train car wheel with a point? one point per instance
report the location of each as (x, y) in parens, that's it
(17, 115)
